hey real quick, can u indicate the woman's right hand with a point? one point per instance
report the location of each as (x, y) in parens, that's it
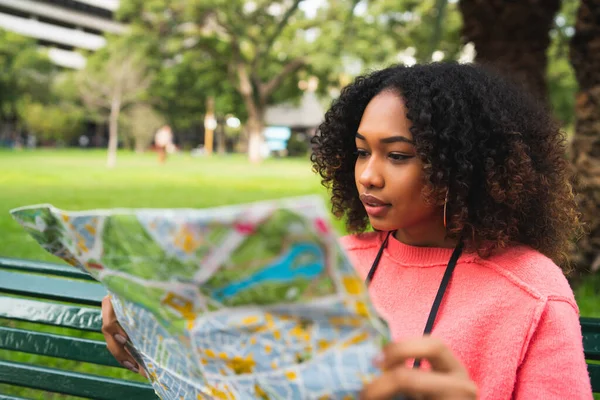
(116, 338)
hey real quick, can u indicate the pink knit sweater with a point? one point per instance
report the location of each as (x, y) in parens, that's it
(511, 319)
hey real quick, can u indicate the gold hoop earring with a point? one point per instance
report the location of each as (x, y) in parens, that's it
(445, 207)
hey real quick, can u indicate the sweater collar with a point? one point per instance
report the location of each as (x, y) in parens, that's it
(415, 255)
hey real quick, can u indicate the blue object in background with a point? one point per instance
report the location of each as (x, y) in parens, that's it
(276, 137)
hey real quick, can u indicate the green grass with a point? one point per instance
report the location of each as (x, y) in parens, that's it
(79, 180)
(76, 180)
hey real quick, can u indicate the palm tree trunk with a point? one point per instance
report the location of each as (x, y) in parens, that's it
(585, 149)
(512, 36)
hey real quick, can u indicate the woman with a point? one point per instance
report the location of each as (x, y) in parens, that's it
(463, 178)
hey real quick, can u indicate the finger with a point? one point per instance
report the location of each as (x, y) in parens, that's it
(136, 356)
(432, 349)
(416, 383)
(116, 337)
(120, 353)
(110, 324)
(109, 318)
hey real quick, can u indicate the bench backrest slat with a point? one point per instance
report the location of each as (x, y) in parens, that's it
(41, 312)
(73, 383)
(6, 397)
(43, 268)
(46, 344)
(47, 287)
(590, 327)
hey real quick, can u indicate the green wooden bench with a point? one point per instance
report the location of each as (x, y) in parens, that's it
(57, 295)
(591, 345)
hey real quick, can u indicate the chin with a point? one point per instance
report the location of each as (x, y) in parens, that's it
(382, 225)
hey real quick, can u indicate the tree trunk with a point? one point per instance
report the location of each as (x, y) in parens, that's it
(140, 145)
(209, 126)
(221, 138)
(128, 142)
(113, 133)
(512, 36)
(98, 134)
(255, 138)
(585, 150)
(256, 113)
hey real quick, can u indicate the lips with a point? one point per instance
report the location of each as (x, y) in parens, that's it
(372, 201)
(375, 207)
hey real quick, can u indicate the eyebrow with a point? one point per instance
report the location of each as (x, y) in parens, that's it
(391, 139)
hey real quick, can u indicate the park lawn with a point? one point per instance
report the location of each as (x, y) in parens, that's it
(77, 180)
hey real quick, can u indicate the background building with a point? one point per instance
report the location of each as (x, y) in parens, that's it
(62, 26)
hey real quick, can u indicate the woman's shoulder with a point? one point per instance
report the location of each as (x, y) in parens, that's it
(532, 272)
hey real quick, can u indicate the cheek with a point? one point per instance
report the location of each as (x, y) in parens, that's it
(358, 169)
(410, 188)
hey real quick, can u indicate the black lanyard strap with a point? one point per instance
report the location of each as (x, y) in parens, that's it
(377, 258)
(441, 291)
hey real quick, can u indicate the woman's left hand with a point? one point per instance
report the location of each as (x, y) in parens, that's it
(448, 379)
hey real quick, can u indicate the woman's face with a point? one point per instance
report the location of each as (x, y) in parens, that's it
(388, 173)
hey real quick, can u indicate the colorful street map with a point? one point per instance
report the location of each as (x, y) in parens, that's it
(253, 301)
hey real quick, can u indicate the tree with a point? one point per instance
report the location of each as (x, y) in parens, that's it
(424, 27)
(60, 116)
(141, 121)
(114, 78)
(512, 36)
(585, 153)
(25, 72)
(264, 46)
(61, 122)
(184, 76)
(381, 33)
(562, 85)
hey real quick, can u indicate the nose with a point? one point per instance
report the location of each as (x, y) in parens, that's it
(371, 176)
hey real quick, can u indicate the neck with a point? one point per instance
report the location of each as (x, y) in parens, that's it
(426, 235)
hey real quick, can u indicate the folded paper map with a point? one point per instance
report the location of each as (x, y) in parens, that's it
(238, 302)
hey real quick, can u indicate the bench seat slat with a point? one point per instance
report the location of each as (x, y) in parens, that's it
(590, 324)
(73, 383)
(46, 287)
(40, 267)
(46, 344)
(83, 318)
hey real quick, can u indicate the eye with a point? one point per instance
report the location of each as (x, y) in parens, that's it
(360, 153)
(398, 157)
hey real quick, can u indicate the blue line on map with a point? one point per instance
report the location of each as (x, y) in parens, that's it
(283, 269)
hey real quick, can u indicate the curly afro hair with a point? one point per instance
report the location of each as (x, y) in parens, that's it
(496, 152)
